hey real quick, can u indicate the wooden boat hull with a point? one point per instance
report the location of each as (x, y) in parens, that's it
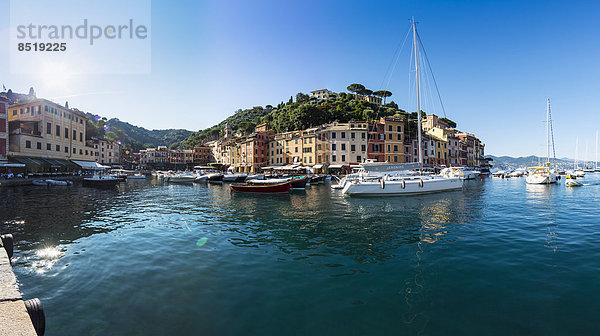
(299, 183)
(261, 188)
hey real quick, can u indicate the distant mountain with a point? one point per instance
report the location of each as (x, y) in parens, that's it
(511, 163)
(132, 136)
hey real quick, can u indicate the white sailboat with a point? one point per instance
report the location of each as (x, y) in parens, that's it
(577, 172)
(596, 169)
(396, 185)
(543, 174)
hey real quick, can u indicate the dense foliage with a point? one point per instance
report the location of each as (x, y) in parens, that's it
(131, 136)
(305, 112)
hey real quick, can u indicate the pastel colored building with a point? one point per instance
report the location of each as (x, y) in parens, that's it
(394, 139)
(376, 142)
(3, 129)
(45, 135)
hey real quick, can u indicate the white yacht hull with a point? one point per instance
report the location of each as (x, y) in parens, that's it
(539, 179)
(402, 187)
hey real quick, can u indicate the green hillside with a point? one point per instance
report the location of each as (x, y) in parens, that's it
(132, 136)
(301, 113)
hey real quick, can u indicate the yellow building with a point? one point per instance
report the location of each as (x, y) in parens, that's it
(39, 128)
(309, 146)
(394, 139)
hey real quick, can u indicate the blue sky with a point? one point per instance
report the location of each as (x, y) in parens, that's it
(496, 63)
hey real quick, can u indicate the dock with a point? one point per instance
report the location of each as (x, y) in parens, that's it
(16, 317)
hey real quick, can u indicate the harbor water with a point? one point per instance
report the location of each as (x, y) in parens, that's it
(497, 258)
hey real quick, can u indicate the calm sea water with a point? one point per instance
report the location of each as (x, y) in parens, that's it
(498, 258)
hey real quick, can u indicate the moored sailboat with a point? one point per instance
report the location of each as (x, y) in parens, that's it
(543, 174)
(408, 184)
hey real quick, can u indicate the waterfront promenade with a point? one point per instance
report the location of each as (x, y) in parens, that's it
(14, 319)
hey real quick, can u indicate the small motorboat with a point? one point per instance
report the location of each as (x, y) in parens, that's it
(99, 181)
(255, 177)
(39, 183)
(316, 179)
(571, 182)
(182, 178)
(58, 183)
(215, 177)
(137, 176)
(201, 178)
(269, 181)
(300, 182)
(262, 188)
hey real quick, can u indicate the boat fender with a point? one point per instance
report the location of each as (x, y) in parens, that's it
(403, 184)
(7, 242)
(382, 183)
(421, 183)
(35, 309)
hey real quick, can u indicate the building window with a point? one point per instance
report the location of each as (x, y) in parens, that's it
(57, 130)
(390, 136)
(399, 136)
(333, 146)
(333, 135)
(363, 135)
(333, 158)
(389, 128)
(395, 158)
(343, 135)
(343, 158)
(58, 148)
(353, 148)
(80, 136)
(363, 148)
(39, 145)
(48, 128)
(359, 158)
(343, 148)
(352, 135)
(74, 135)
(48, 147)
(66, 133)
(27, 144)
(399, 128)
(395, 148)
(66, 149)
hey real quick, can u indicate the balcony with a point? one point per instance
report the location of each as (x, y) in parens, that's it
(26, 131)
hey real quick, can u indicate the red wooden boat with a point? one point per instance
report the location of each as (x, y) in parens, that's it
(262, 188)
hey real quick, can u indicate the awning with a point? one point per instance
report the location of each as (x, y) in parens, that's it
(31, 163)
(335, 166)
(5, 164)
(89, 164)
(318, 166)
(61, 164)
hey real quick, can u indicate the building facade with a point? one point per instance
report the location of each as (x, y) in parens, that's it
(40, 128)
(3, 129)
(394, 139)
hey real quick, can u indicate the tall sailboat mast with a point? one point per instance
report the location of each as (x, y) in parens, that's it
(418, 91)
(548, 133)
(596, 165)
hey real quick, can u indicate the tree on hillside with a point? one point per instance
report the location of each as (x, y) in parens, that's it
(356, 88)
(301, 98)
(450, 123)
(383, 94)
(366, 92)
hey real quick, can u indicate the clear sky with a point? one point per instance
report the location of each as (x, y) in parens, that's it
(496, 63)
